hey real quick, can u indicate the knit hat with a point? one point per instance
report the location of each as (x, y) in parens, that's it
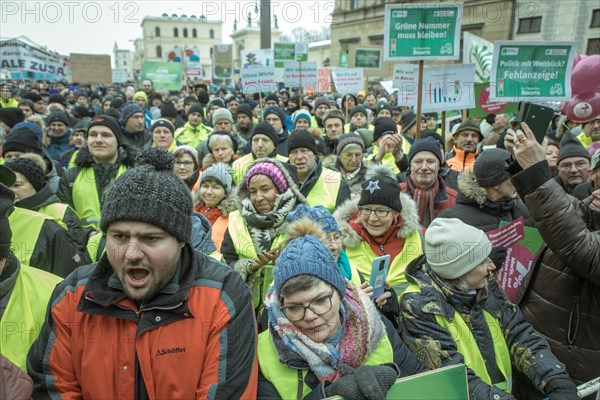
(382, 105)
(82, 112)
(333, 113)
(57, 98)
(128, 110)
(270, 170)
(82, 126)
(381, 187)
(318, 214)
(30, 170)
(32, 126)
(322, 101)
(196, 107)
(349, 138)
(301, 114)
(302, 138)
(265, 128)
(384, 126)
(190, 100)
(11, 116)
(57, 116)
(7, 198)
(220, 172)
(470, 125)
(140, 95)
(272, 97)
(426, 144)
(454, 248)
(35, 97)
(407, 120)
(23, 140)
(570, 146)
(245, 109)
(184, 148)
(151, 193)
(110, 123)
(252, 103)
(356, 110)
(167, 110)
(216, 134)
(164, 123)
(490, 167)
(274, 110)
(108, 98)
(117, 104)
(222, 114)
(215, 102)
(307, 255)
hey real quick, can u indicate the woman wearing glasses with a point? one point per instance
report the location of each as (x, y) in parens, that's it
(186, 164)
(325, 336)
(382, 221)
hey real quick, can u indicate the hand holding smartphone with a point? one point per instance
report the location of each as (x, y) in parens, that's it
(379, 271)
(537, 117)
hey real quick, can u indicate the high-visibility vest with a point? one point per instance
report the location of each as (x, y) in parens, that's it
(325, 190)
(388, 159)
(244, 247)
(55, 210)
(287, 380)
(86, 198)
(241, 165)
(468, 347)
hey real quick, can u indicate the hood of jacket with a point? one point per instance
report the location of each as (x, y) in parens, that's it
(470, 189)
(41, 198)
(127, 156)
(201, 234)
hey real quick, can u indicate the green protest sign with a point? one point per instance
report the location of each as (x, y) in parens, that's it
(422, 31)
(343, 59)
(483, 105)
(532, 70)
(164, 75)
(284, 52)
(368, 58)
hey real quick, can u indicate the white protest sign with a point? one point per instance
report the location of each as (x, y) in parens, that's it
(405, 82)
(348, 80)
(254, 58)
(258, 79)
(296, 73)
(448, 87)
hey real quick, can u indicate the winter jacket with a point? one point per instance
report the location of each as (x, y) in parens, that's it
(59, 145)
(561, 297)
(136, 140)
(583, 190)
(473, 207)
(431, 304)
(24, 295)
(202, 235)
(183, 343)
(325, 187)
(460, 161)
(14, 383)
(226, 207)
(192, 136)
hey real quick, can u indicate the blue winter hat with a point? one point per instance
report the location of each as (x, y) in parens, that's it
(128, 110)
(32, 127)
(307, 255)
(318, 214)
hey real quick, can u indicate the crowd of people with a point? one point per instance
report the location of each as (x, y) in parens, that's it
(158, 244)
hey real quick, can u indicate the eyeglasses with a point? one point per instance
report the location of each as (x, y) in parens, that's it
(422, 163)
(335, 238)
(578, 165)
(318, 306)
(379, 212)
(184, 163)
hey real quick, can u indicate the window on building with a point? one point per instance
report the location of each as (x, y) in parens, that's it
(211, 34)
(157, 31)
(595, 19)
(185, 32)
(356, 4)
(194, 33)
(593, 46)
(175, 32)
(530, 25)
(158, 51)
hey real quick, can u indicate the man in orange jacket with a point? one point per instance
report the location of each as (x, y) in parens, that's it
(466, 138)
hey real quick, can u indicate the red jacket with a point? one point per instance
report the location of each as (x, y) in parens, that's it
(194, 340)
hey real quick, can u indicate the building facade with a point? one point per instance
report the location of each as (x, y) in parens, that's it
(247, 37)
(122, 60)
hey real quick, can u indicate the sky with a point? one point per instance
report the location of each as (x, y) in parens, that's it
(94, 26)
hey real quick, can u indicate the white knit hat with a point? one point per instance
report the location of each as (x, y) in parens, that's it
(454, 248)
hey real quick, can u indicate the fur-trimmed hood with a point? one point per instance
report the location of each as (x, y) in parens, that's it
(470, 189)
(127, 156)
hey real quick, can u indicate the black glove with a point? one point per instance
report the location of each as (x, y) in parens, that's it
(346, 386)
(374, 381)
(498, 255)
(562, 389)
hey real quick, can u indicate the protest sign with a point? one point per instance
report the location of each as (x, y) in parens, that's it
(539, 71)
(368, 58)
(347, 80)
(484, 105)
(447, 87)
(296, 74)
(166, 75)
(120, 75)
(262, 57)
(422, 31)
(222, 61)
(522, 244)
(478, 51)
(258, 79)
(24, 56)
(91, 68)
(405, 81)
(283, 52)
(324, 81)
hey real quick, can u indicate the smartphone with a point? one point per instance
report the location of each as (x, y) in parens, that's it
(379, 271)
(537, 117)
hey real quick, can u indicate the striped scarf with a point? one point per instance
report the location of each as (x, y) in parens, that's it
(362, 330)
(424, 200)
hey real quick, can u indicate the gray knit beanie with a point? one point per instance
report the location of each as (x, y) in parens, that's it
(151, 193)
(220, 172)
(454, 248)
(490, 167)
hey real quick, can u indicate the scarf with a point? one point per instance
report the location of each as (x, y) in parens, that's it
(263, 228)
(425, 200)
(360, 333)
(348, 176)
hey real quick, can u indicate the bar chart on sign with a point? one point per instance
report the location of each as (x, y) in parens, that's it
(447, 87)
(443, 94)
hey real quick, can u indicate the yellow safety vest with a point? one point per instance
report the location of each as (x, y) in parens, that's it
(286, 380)
(26, 226)
(241, 165)
(468, 347)
(86, 198)
(388, 159)
(244, 247)
(25, 313)
(55, 210)
(325, 190)
(347, 127)
(192, 136)
(362, 257)
(93, 247)
(72, 160)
